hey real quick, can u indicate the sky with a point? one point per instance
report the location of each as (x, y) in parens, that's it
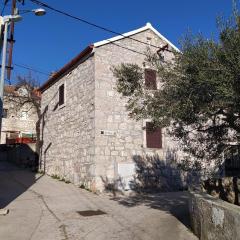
(47, 43)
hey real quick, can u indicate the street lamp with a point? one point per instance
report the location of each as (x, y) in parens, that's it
(38, 12)
(4, 23)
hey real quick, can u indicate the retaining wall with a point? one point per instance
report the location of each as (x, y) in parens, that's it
(212, 218)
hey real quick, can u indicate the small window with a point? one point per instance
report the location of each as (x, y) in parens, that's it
(153, 136)
(5, 113)
(61, 95)
(150, 79)
(24, 115)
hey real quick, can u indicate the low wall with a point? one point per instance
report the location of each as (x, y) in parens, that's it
(21, 154)
(212, 218)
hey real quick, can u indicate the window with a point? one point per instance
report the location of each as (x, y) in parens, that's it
(5, 113)
(24, 115)
(150, 79)
(153, 136)
(61, 97)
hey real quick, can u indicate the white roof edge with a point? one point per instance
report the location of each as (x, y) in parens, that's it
(128, 34)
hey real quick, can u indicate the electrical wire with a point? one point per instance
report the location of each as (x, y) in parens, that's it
(4, 6)
(90, 23)
(132, 50)
(31, 69)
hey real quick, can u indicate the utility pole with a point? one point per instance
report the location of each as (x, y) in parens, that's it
(11, 39)
(4, 52)
(2, 210)
(5, 22)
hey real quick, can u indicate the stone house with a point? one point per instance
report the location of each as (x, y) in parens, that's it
(88, 137)
(18, 120)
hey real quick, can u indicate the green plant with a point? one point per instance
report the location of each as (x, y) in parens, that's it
(82, 186)
(40, 171)
(199, 98)
(55, 176)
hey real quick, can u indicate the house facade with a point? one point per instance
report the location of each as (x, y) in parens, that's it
(18, 120)
(88, 137)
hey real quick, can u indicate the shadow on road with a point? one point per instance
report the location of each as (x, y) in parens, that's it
(13, 182)
(175, 203)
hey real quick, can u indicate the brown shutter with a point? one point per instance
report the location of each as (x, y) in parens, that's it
(61, 95)
(150, 79)
(153, 136)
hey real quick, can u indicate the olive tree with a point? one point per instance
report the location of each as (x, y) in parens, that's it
(199, 99)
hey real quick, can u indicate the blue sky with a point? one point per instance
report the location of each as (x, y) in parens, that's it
(47, 43)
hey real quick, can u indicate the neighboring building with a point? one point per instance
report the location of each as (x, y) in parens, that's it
(88, 137)
(19, 118)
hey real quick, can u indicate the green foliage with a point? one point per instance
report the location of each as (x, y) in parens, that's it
(200, 93)
(128, 81)
(82, 186)
(41, 172)
(55, 176)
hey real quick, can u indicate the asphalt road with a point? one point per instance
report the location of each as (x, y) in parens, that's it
(42, 208)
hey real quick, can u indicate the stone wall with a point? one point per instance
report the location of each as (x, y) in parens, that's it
(123, 138)
(13, 122)
(20, 154)
(212, 218)
(226, 188)
(91, 139)
(68, 130)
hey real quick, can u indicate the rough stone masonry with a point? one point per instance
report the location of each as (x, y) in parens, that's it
(90, 139)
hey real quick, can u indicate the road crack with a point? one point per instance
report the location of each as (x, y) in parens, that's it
(62, 227)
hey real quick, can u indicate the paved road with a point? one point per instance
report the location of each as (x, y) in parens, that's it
(42, 208)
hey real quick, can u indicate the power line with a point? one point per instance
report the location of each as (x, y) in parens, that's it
(3, 8)
(90, 23)
(132, 50)
(31, 69)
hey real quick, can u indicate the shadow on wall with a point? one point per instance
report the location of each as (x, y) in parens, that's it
(42, 157)
(113, 186)
(154, 174)
(15, 180)
(227, 189)
(226, 184)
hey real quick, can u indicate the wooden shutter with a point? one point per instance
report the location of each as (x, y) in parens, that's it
(150, 79)
(61, 95)
(153, 136)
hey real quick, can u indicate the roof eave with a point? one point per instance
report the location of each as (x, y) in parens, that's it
(128, 34)
(66, 68)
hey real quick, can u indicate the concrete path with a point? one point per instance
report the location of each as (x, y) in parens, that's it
(42, 208)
